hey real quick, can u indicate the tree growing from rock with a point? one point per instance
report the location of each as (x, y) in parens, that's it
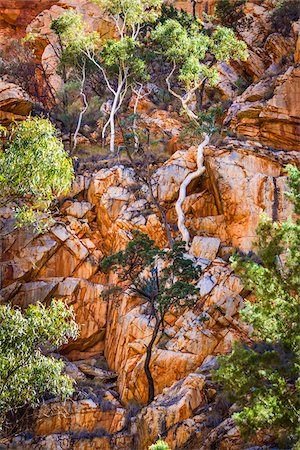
(193, 54)
(264, 378)
(35, 169)
(26, 372)
(164, 279)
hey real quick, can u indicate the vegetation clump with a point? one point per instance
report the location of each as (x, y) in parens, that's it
(159, 445)
(27, 374)
(263, 378)
(35, 168)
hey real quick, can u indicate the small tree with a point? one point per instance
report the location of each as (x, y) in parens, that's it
(26, 373)
(73, 67)
(193, 54)
(35, 169)
(264, 378)
(162, 278)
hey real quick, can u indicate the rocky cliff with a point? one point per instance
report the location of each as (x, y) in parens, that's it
(245, 175)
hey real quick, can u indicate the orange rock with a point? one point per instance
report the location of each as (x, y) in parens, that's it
(273, 121)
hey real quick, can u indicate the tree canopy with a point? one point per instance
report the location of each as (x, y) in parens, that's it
(193, 53)
(35, 168)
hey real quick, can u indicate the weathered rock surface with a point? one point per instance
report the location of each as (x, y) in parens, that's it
(14, 102)
(270, 115)
(80, 416)
(174, 405)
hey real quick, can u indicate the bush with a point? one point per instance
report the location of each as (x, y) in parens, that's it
(284, 14)
(35, 168)
(26, 373)
(159, 445)
(263, 378)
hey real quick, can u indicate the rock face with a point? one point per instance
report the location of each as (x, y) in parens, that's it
(15, 15)
(97, 219)
(270, 115)
(243, 178)
(14, 102)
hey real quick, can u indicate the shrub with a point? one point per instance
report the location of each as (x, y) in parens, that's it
(35, 168)
(230, 13)
(159, 445)
(263, 378)
(26, 373)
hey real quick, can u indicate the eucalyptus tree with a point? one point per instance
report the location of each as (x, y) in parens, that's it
(35, 169)
(70, 57)
(118, 58)
(193, 54)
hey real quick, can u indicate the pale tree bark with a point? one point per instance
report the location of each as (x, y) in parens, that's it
(83, 111)
(118, 96)
(182, 192)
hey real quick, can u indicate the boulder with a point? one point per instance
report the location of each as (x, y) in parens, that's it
(205, 247)
(14, 103)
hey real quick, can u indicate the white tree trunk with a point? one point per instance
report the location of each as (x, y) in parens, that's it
(182, 192)
(83, 111)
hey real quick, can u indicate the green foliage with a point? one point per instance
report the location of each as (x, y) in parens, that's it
(170, 12)
(189, 48)
(164, 278)
(74, 39)
(34, 165)
(26, 373)
(264, 378)
(159, 445)
(230, 13)
(286, 12)
(133, 12)
(193, 53)
(207, 120)
(126, 53)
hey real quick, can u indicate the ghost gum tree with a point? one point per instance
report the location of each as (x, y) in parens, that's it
(193, 53)
(119, 58)
(73, 60)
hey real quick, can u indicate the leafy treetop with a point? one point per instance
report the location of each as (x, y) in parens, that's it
(190, 48)
(35, 167)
